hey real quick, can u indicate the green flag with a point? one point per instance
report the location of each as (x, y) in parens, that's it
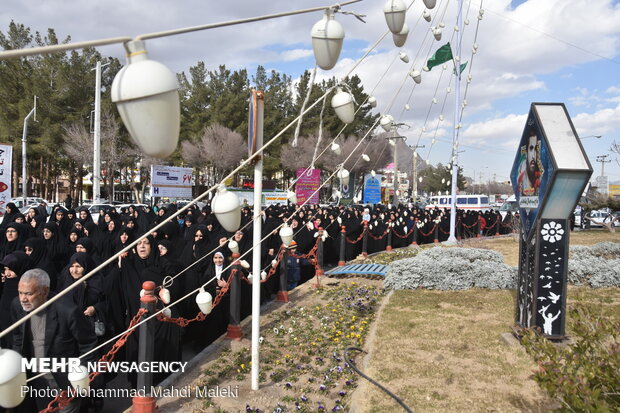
(463, 66)
(442, 55)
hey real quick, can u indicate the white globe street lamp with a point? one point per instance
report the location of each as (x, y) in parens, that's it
(147, 98)
(327, 37)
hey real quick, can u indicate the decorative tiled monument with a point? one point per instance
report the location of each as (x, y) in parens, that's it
(549, 174)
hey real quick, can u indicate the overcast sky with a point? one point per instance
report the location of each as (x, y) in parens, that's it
(528, 51)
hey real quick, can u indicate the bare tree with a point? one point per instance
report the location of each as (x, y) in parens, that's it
(221, 149)
(615, 148)
(115, 153)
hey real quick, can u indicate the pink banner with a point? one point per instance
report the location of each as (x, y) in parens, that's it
(307, 185)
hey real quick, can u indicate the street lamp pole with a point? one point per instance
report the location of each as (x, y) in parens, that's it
(457, 103)
(24, 158)
(394, 139)
(97, 138)
(414, 175)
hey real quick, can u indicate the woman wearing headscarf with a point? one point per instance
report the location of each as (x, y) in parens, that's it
(89, 295)
(35, 220)
(9, 214)
(87, 245)
(13, 266)
(35, 249)
(74, 235)
(216, 323)
(14, 237)
(123, 286)
(57, 249)
(108, 237)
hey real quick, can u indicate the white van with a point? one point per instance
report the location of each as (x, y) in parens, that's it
(510, 205)
(470, 202)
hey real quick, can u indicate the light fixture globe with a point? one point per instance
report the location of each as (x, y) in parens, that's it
(404, 57)
(365, 157)
(426, 15)
(342, 102)
(327, 36)
(204, 301)
(292, 197)
(12, 379)
(400, 38)
(395, 12)
(372, 101)
(227, 209)
(336, 148)
(343, 174)
(373, 173)
(437, 33)
(430, 4)
(386, 122)
(286, 233)
(147, 98)
(416, 76)
(233, 246)
(79, 379)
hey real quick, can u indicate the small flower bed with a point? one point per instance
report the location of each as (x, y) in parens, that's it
(302, 350)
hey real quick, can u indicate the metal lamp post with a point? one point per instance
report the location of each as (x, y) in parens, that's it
(24, 158)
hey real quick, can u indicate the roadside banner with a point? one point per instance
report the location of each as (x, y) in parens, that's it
(6, 162)
(372, 189)
(171, 181)
(309, 181)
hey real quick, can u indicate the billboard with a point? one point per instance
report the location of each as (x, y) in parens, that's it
(372, 189)
(6, 162)
(308, 183)
(530, 173)
(171, 181)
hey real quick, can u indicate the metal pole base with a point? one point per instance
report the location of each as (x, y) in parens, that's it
(146, 404)
(388, 248)
(233, 332)
(341, 263)
(282, 297)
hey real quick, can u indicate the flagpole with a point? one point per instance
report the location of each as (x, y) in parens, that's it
(457, 99)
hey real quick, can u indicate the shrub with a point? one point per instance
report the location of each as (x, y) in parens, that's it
(451, 269)
(582, 375)
(596, 266)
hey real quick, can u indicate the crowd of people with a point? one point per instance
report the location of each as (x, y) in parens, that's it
(41, 255)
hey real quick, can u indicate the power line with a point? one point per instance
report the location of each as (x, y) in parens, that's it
(554, 37)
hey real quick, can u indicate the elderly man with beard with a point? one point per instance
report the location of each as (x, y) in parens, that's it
(60, 330)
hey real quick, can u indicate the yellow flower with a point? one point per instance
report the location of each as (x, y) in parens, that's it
(358, 336)
(336, 340)
(352, 327)
(242, 366)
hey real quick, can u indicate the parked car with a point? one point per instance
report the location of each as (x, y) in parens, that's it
(19, 202)
(95, 208)
(597, 218)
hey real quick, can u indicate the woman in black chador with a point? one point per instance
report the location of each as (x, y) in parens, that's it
(124, 283)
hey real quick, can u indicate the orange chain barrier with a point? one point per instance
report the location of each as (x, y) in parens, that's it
(358, 238)
(403, 236)
(380, 236)
(63, 400)
(183, 322)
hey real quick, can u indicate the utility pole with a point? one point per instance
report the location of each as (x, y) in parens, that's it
(394, 141)
(601, 159)
(414, 175)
